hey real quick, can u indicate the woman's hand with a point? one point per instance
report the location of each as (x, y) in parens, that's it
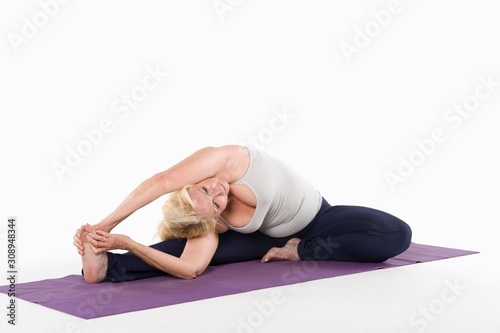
(77, 239)
(102, 241)
(80, 236)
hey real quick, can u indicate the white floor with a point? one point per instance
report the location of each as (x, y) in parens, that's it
(453, 295)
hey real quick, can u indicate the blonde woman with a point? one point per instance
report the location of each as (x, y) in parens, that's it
(230, 204)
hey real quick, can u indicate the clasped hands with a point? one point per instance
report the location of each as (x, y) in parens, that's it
(99, 240)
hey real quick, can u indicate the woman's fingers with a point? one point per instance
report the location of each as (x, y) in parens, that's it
(79, 248)
(82, 236)
(94, 249)
(78, 234)
(94, 239)
(100, 236)
(103, 241)
(77, 241)
(95, 245)
(100, 241)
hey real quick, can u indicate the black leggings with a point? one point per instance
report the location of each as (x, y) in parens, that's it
(341, 233)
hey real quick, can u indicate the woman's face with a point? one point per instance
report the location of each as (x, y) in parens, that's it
(209, 197)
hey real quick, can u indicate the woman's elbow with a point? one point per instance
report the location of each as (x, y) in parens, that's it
(159, 179)
(188, 277)
(189, 273)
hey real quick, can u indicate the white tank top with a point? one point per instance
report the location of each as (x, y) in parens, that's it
(286, 202)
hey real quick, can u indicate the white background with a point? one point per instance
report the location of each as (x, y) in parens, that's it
(350, 120)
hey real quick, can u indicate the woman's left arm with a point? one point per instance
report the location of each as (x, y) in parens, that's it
(195, 258)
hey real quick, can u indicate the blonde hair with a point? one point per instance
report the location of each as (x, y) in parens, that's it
(180, 220)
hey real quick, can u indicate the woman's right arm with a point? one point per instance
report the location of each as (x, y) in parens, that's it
(145, 193)
(204, 163)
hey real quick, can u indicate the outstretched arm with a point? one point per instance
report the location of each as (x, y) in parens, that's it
(195, 258)
(203, 164)
(145, 193)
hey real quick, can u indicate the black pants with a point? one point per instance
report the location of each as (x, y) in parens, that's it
(341, 233)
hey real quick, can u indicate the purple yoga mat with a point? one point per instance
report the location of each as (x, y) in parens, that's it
(71, 295)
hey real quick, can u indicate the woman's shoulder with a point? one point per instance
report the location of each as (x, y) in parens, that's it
(232, 149)
(236, 159)
(230, 153)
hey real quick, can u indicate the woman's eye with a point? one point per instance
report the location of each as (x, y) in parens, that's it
(217, 205)
(205, 189)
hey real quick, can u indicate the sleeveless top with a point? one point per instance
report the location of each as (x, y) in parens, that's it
(286, 202)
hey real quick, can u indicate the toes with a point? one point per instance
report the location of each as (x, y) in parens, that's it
(275, 254)
(269, 256)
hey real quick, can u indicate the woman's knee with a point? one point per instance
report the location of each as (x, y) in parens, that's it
(396, 237)
(405, 235)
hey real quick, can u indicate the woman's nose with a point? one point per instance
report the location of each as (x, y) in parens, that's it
(216, 188)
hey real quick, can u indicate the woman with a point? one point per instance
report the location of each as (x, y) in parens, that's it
(233, 203)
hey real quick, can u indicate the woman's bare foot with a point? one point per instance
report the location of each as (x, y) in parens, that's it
(95, 266)
(287, 252)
